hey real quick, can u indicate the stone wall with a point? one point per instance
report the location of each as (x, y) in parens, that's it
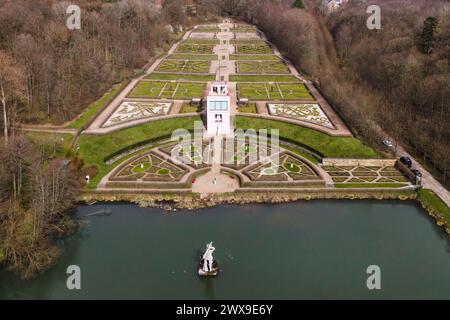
(358, 162)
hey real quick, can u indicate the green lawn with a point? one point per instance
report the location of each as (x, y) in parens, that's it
(181, 77)
(205, 57)
(148, 89)
(168, 90)
(206, 29)
(94, 148)
(338, 147)
(248, 41)
(273, 91)
(261, 67)
(243, 29)
(263, 78)
(189, 108)
(201, 41)
(253, 48)
(91, 110)
(254, 57)
(249, 108)
(195, 48)
(300, 153)
(291, 91)
(433, 203)
(184, 66)
(186, 91)
(143, 167)
(52, 144)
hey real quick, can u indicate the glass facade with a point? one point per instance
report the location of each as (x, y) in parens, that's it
(218, 105)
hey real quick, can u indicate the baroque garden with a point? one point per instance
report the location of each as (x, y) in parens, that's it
(125, 140)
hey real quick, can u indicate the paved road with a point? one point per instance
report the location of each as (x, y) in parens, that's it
(428, 181)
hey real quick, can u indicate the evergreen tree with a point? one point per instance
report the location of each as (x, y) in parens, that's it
(298, 4)
(427, 37)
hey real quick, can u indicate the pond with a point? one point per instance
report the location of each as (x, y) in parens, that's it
(300, 250)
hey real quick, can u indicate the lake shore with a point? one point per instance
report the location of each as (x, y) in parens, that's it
(192, 201)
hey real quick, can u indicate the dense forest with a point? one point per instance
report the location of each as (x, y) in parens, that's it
(37, 191)
(396, 78)
(51, 73)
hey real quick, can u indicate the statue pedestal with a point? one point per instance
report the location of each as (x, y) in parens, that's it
(214, 270)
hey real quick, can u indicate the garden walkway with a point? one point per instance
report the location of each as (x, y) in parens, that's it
(214, 181)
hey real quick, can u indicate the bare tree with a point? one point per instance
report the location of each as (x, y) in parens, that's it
(10, 85)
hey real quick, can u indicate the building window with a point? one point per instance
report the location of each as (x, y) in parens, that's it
(218, 105)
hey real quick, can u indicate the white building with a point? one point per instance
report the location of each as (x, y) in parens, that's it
(218, 113)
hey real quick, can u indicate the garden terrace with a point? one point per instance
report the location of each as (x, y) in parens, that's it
(196, 154)
(181, 77)
(253, 49)
(249, 42)
(264, 78)
(305, 112)
(167, 90)
(207, 29)
(201, 57)
(94, 149)
(148, 167)
(243, 29)
(288, 168)
(366, 175)
(201, 41)
(243, 153)
(195, 48)
(184, 66)
(261, 67)
(273, 91)
(238, 57)
(202, 35)
(137, 110)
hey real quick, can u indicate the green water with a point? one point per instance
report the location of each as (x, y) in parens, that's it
(302, 250)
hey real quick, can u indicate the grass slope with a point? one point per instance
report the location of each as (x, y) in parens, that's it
(435, 205)
(337, 147)
(51, 143)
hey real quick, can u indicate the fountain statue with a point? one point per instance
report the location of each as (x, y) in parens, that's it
(208, 266)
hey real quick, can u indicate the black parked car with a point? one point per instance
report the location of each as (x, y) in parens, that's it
(406, 161)
(417, 173)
